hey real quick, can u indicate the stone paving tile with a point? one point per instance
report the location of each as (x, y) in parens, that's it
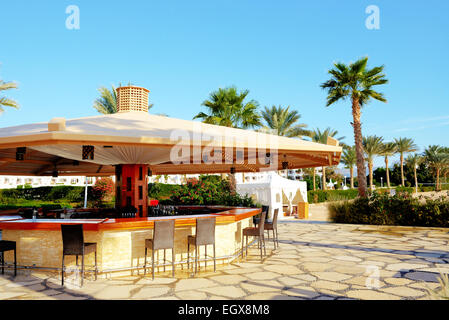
(314, 261)
(192, 284)
(404, 291)
(371, 295)
(191, 295)
(149, 292)
(226, 291)
(265, 286)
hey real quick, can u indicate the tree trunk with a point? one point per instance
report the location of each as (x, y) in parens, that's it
(351, 172)
(314, 184)
(402, 170)
(323, 169)
(416, 179)
(370, 168)
(387, 172)
(232, 183)
(361, 169)
(437, 185)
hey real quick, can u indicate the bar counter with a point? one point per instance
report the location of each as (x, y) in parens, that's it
(120, 242)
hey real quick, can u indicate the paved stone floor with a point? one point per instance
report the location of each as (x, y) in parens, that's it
(314, 261)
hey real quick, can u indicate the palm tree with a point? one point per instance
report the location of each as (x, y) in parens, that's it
(321, 137)
(355, 82)
(414, 160)
(349, 159)
(107, 102)
(227, 108)
(388, 150)
(438, 159)
(4, 101)
(282, 122)
(404, 145)
(373, 147)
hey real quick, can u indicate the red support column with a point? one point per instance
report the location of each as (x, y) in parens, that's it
(132, 187)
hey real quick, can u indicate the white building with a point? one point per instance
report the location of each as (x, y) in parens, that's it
(12, 182)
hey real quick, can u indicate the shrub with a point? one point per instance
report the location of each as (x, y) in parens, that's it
(331, 195)
(208, 190)
(161, 190)
(103, 187)
(401, 209)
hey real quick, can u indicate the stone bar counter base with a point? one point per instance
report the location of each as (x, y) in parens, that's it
(121, 242)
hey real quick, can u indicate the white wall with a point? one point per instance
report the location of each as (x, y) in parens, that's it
(11, 182)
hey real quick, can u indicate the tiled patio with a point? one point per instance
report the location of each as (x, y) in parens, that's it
(315, 261)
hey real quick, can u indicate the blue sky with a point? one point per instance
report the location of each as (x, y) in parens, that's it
(183, 50)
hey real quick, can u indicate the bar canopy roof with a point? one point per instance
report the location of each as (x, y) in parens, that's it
(140, 138)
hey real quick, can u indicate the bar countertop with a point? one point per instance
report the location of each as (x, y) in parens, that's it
(227, 216)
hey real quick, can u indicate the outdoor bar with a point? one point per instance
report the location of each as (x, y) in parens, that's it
(132, 145)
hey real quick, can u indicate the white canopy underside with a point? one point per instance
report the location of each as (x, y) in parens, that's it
(110, 156)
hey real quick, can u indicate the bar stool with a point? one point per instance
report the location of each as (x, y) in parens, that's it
(273, 225)
(204, 236)
(73, 245)
(264, 209)
(163, 238)
(6, 245)
(256, 232)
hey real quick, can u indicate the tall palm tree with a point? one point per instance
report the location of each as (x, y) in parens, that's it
(4, 101)
(388, 150)
(404, 145)
(321, 137)
(414, 160)
(438, 159)
(373, 147)
(283, 122)
(226, 107)
(107, 102)
(355, 82)
(349, 159)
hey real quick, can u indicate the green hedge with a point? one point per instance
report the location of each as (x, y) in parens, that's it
(401, 209)
(319, 196)
(161, 190)
(331, 195)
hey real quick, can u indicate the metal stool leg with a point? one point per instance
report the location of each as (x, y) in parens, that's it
(173, 261)
(242, 246)
(96, 265)
(188, 255)
(205, 254)
(152, 262)
(145, 263)
(196, 258)
(62, 283)
(215, 263)
(15, 263)
(82, 270)
(264, 247)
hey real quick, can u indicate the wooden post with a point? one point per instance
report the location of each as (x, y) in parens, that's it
(132, 187)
